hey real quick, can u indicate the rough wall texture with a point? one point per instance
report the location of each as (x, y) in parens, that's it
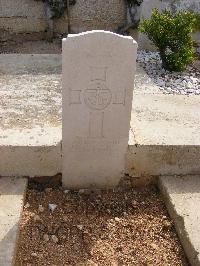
(30, 16)
(174, 5)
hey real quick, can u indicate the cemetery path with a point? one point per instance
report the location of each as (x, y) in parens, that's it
(163, 119)
(30, 90)
(31, 43)
(30, 99)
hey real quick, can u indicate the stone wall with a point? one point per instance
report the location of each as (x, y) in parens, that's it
(174, 5)
(30, 15)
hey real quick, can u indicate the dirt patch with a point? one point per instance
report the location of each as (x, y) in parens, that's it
(29, 43)
(115, 227)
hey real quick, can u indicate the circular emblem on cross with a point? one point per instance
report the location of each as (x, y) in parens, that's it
(97, 96)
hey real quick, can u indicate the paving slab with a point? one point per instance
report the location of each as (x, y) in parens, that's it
(182, 197)
(163, 119)
(164, 138)
(164, 135)
(30, 99)
(31, 105)
(12, 193)
(30, 115)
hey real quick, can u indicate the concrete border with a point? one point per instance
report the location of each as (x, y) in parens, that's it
(12, 195)
(182, 198)
(30, 160)
(144, 163)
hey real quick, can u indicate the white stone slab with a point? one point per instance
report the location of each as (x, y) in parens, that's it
(182, 198)
(12, 194)
(98, 80)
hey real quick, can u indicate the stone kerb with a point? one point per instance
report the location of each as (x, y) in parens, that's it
(98, 80)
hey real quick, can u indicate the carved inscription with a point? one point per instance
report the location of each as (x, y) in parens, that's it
(119, 97)
(96, 125)
(74, 96)
(93, 145)
(97, 97)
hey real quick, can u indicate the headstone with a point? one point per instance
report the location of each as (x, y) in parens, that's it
(98, 80)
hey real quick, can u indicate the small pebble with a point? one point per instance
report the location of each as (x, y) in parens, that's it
(80, 227)
(46, 237)
(84, 191)
(40, 208)
(37, 218)
(27, 205)
(52, 207)
(66, 191)
(167, 224)
(108, 211)
(48, 189)
(125, 214)
(117, 219)
(34, 254)
(134, 203)
(154, 246)
(54, 239)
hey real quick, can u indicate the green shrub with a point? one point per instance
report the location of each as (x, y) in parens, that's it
(197, 26)
(172, 36)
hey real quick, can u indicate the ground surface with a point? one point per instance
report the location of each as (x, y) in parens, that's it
(12, 194)
(164, 130)
(129, 227)
(186, 82)
(31, 105)
(34, 43)
(163, 119)
(182, 196)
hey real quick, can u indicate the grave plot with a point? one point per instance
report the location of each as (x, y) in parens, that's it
(88, 227)
(125, 226)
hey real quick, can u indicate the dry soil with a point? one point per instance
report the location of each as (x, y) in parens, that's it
(115, 227)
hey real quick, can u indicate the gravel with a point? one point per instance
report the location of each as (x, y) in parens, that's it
(186, 83)
(118, 227)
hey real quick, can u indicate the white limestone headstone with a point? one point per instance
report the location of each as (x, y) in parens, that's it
(98, 80)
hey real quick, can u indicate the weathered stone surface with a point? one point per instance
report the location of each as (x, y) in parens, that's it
(12, 192)
(161, 119)
(32, 146)
(174, 5)
(30, 16)
(30, 115)
(98, 78)
(182, 197)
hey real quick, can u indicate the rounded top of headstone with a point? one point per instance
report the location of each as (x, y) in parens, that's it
(100, 32)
